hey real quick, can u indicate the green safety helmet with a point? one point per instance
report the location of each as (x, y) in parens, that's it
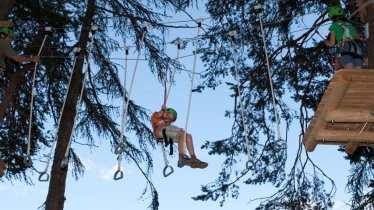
(7, 31)
(173, 112)
(335, 11)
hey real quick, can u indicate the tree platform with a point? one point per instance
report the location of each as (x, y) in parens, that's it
(345, 114)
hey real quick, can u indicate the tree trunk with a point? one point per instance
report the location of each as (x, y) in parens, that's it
(55, 198)
(5, 6)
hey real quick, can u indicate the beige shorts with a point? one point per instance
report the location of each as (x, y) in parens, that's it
(171, 132)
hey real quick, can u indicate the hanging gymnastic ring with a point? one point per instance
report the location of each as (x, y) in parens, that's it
(250, 165)
(27, 160)
(171, 171)
(118, 175)
(43, 177)
(120, 148)
(281, 141)
(64, 162)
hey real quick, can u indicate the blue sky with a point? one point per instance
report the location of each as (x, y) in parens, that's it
(96, 190)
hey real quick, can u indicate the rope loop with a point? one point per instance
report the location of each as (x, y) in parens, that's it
(250, 165)
(120, 148)
(43, 177)
(170, 172)
(27, 160)
(118, 175)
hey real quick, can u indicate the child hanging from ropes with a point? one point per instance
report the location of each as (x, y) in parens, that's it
(6, 37)
(164, 131)
(345, 37)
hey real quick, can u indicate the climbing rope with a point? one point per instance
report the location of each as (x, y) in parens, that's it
(27, 159)
(119, 173)
(120, 148)
(250, 164)
(65, 160)
(199, 22)
(44, 176)
(258, 7)
(166, 97)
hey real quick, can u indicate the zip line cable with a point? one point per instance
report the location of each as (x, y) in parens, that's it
(120, 148)
(258, 7)
(199, 21)
(250, 164)
(65, 160)
(119, 174)
(44, 176)
(27, 159)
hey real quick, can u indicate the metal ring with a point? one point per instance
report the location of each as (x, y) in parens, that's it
(250, 165)
(43, 174)
(171, 171)
(119, 149)
(64, 162)
(118, 175)
(27, 160)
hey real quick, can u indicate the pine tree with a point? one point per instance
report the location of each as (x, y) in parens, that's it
(300, 72)
(73, 24)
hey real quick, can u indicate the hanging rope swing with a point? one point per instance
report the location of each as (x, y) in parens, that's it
(27, 159)
(178, 42)
(250, 164)
(65, 160)
(199, 22)
(44, 176)
(119, 174)
(120, 148)
(279, 138)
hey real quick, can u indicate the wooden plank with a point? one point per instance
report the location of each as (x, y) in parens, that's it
(345, 136)
(349, 116)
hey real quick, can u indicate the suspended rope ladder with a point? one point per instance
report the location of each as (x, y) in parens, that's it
(250, 164)
(120, 148)
(27, 159)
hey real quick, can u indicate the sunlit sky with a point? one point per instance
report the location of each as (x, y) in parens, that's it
(97, 190)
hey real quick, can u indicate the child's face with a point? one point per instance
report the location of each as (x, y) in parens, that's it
(170, 117)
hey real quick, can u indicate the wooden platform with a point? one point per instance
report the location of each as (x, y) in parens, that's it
(345, 115)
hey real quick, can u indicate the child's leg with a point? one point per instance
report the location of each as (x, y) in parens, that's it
(189, 143)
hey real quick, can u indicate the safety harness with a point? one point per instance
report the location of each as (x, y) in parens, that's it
(353, 50)
(168, 141)
(157, 122)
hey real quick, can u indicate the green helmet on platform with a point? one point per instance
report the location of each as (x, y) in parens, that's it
(7, 31)
(172, 112)
(335, 11)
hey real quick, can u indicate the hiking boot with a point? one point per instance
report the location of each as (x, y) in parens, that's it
(185, 160)
(196, 163)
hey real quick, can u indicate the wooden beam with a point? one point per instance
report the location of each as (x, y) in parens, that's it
(349, 116)
(6, 23)
(351, 148)
(345, 136)
(343, 80)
